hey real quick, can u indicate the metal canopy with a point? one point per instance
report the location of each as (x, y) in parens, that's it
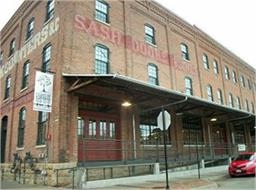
(148, 96)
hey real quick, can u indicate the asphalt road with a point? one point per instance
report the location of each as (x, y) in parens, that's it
(236, 183)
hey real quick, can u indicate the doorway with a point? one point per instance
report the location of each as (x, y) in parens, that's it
(219, 139)
(3, 137)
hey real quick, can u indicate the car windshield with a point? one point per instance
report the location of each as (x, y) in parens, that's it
(244, 157)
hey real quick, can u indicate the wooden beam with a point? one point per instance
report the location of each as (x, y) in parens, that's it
(76, 84)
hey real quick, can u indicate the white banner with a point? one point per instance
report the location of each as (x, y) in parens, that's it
(43, 92)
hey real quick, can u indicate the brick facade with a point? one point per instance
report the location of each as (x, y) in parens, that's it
(73, 53)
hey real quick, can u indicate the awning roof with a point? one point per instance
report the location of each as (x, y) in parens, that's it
(145, 91)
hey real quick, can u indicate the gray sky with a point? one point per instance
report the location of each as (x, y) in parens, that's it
(230, 22)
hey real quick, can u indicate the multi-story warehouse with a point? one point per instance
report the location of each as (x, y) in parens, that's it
(116, 64)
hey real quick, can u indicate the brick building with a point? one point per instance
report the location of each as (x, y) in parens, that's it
(103, 53)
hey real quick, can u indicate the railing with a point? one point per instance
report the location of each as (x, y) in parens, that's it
(70, 170)
(100, 151)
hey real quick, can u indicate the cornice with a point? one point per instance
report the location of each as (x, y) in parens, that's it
(176, 20)
(223, 50)
(16, 16)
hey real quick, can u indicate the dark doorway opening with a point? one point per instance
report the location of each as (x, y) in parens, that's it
(3, 137)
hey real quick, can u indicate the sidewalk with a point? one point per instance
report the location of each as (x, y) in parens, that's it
(181, 180)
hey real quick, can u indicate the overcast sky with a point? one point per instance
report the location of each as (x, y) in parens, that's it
(231, 22)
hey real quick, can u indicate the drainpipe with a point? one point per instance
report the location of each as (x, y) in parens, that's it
(167, 105)
(134, 136)
(244, 117)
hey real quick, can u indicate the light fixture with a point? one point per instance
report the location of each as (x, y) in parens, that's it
(213, 119)
(126, 104)
(179, 113)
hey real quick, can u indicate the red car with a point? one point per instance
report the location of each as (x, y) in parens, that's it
(244, 164)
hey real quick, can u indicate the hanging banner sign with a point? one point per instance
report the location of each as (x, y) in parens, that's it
(43, 92)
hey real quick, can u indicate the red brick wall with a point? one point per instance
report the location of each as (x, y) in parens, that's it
(73, 52)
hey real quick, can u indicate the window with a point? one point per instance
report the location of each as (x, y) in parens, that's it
(103, 129)
(239, 134)
(247, 105)
(80, 126)
(41, 128)
(249, 84)
(49, 10)
(150, 133)
(209, 93)
(101, 59)
(242, 81)
(184, 52)
(226, 71)
(230, 100)
(153, 74)
(112, 129)
(21, 128)
(1, 58)
(188, 86)
(238, 103)
(102, 11)
(219, 97)
(150, 34)
(46, 58)
(30, 28)
(12, 47)
(7, 87)
(205, 61)
(25, 75)
(253, 110)
(92, 128)
(215, 67)
(234, 77)
(192, 130)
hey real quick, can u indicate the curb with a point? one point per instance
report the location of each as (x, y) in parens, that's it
(161, 176)
(212, 185)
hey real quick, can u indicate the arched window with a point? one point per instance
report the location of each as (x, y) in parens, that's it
(209, 93)
(1, 57)
(21, 128)
(188, 86)
(184, 52)
(41, 128)
(46, 57)
(253, 110)
(219, 96)
(215, 67)
(238, 103)
(149, 34)
(226, 71)
(242, 80)
(205, 61)
(153, 74)
(7, 86)
(102, 11)
(30, 28)
(49, 10)
(101, 59)
(230, 100)
(25, 75)
(247, 105)
(234, 77)
(12, 47)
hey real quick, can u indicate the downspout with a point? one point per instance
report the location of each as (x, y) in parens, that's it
(134, 137)
(167, 105)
